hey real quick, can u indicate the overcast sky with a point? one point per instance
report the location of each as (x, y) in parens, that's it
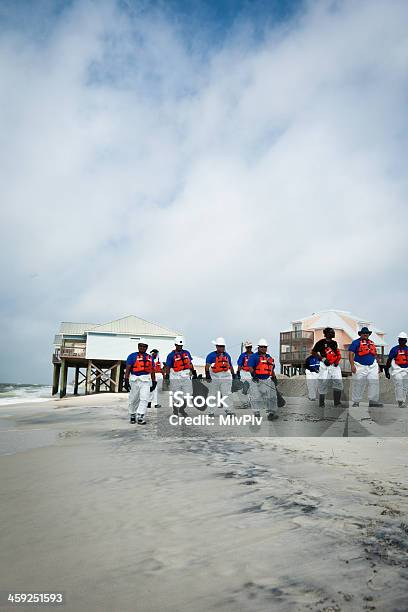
(220, 170)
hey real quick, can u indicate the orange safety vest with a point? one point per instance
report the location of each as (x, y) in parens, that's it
(221, 363)
(181, 361)
(265, 366)
(334, 356)
(158, 367)
(401, 358)
(245, 366)
(143, 364)
(367, 347)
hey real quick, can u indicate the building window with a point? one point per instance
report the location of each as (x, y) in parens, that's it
(297, 328)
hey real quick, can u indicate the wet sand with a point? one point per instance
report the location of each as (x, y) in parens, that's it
(121, 518)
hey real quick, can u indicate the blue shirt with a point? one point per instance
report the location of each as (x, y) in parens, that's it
(362, 359)
(253, 362)
(211, 357)
(170, 357)
(394, 350)
(241, 358)
(312, 363)
(130, 361)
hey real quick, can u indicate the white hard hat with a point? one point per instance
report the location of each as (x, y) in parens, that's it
(179, 340)
(247, 343)
(403, 335)
(219, 341)
(262, 342)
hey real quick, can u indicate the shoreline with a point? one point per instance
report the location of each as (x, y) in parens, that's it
(289, 386)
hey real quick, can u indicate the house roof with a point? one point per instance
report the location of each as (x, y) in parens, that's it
(135, 326)
(75, 329)
(334, 318)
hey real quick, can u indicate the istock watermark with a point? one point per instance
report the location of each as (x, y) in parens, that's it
(179, 399)
(223, 420)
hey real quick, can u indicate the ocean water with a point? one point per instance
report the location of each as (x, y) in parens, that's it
(13, 393)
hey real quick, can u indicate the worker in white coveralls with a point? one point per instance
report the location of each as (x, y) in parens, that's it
(179, 367)
(158, 370)
(365, 369)
(263, 381)
(243, 372)
(312, 367)
(140, 380)
(219, 372)
(398, 362)
(329, 355)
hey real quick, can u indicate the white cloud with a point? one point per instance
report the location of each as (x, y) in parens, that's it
(219, 191)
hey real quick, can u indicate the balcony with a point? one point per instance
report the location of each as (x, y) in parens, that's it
(294, 357)
(72, 351)
(299, 337)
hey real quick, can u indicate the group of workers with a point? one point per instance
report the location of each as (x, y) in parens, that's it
(323, 367)
(256, 372)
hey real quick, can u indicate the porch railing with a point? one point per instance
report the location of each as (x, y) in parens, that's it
(296, 336)
(70, 351)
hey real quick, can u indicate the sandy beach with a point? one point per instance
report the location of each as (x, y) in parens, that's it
(120, 517)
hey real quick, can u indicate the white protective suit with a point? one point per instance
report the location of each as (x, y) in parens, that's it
(139, 395)
(365, 374)
(181, 381)
(312, 382)
(400, 379)
(263, 395)
(154, 394)
(221, 382)
(329, 374)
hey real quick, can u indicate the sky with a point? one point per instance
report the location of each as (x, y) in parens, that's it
(220, 168)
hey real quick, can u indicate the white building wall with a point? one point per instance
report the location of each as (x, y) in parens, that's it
(118, 347)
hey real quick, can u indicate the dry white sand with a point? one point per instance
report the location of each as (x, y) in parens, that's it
(121, 519)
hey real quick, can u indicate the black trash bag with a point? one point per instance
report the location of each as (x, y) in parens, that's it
(200, 390)
(281, 399)
(236, 385)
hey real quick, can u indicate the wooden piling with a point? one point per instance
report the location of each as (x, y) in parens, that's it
(88, 378)
(116, 376)
(55, 378)
(64, 376)
(122, 376)
(76, 381)
(97, 383)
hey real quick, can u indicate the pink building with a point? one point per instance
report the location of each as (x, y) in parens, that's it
(295, 345)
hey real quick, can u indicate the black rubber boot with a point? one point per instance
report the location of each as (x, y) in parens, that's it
(321, 401)
(372, 404)
(337, 397)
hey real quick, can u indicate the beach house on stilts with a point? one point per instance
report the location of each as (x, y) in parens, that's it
(97, 352)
